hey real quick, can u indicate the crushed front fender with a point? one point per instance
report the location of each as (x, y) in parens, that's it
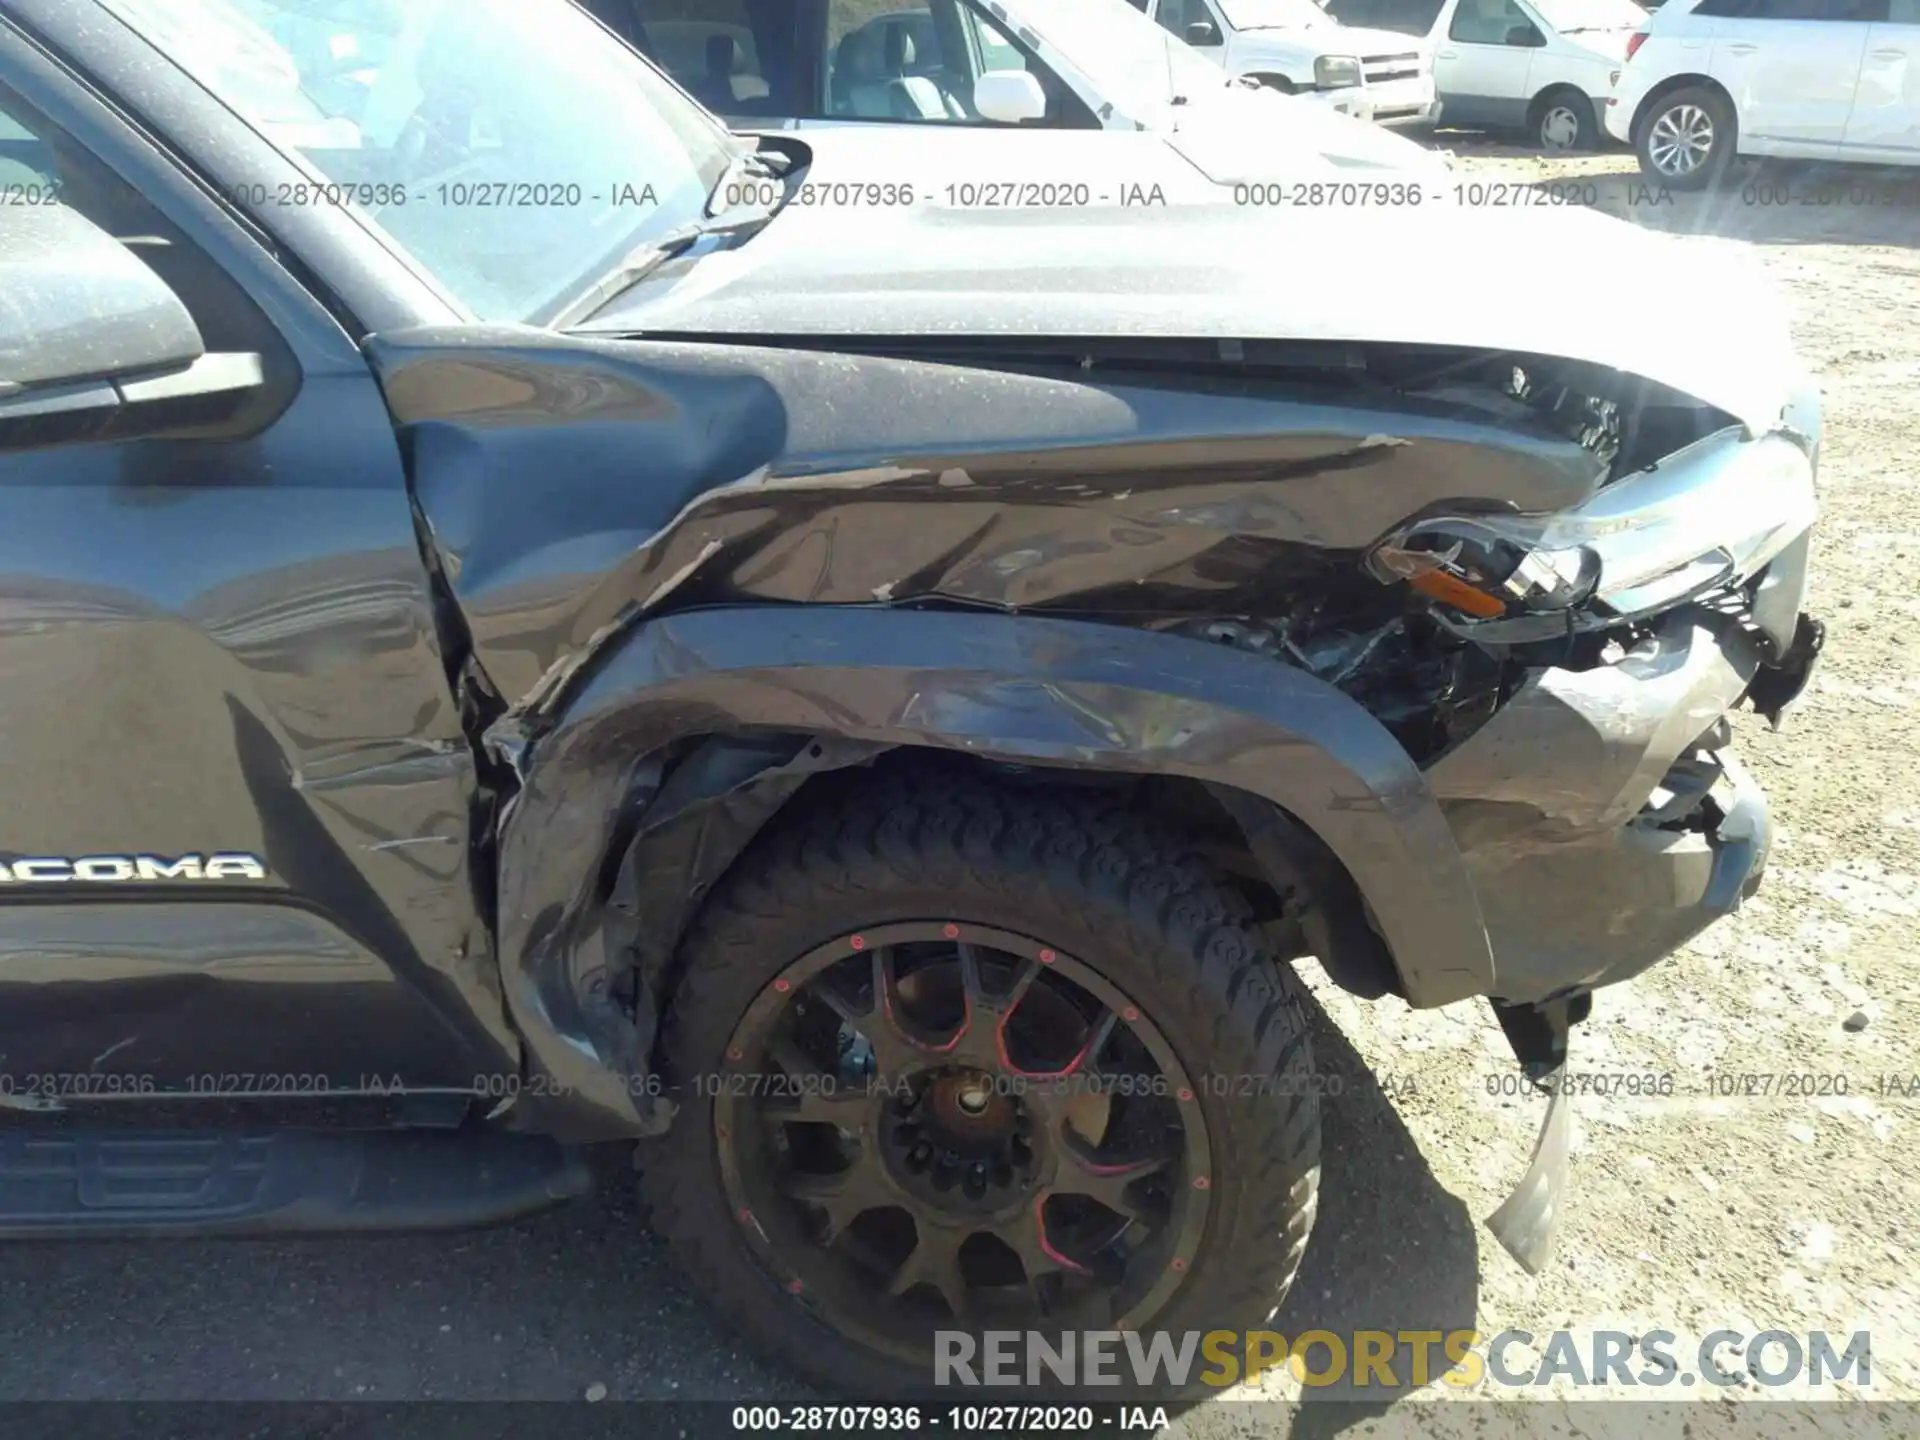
(1022, 690)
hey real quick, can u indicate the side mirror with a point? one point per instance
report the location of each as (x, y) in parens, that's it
(87, 331)
(1203, 33)
(1011, 97)
(1525, 36)
(77, 305)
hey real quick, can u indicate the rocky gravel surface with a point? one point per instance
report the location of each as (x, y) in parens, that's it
(1719, 1205)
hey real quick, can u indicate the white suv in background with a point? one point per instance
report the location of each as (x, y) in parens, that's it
(1707, 80)
(1084, 92)
(1296, 47)
(1544, 67)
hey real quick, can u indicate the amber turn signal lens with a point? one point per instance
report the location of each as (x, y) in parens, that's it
(1453, 591)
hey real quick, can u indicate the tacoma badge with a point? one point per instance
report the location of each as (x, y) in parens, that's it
(115, 869)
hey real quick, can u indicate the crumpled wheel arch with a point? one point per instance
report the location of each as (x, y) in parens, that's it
(1024, 690)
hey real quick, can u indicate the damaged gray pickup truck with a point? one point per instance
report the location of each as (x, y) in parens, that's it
(867, 701)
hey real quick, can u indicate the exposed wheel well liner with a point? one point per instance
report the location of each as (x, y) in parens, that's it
(1290, 880)
(1306, 773)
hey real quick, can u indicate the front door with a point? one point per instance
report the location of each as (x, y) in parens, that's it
(1791, 67)
(236, 800)
(1885, 121)
(1481, 66)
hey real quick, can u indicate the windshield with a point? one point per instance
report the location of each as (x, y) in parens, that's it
(1133, 64)
(512, 148)
(1565, 15)
(1273, 14)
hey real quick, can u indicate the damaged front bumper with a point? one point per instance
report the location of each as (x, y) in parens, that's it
(1606, 822)
(1600, 810)
(1601, 813)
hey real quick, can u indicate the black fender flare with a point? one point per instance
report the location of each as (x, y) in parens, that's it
(1022, 689)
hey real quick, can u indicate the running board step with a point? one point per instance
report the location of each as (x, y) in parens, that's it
(88, 1184)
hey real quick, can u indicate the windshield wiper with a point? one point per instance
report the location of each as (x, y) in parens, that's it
(643, 260)
(749, 165)
(646, 258)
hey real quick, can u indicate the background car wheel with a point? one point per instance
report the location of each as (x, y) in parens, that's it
(1686, 138)
(1564, 120)
(964, 1058)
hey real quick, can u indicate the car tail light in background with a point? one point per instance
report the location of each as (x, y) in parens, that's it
(1635, 41)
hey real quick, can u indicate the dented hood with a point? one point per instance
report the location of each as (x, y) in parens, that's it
(1697, 315)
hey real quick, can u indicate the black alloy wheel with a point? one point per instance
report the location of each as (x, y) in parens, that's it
(959, 1057)
(931, 1125)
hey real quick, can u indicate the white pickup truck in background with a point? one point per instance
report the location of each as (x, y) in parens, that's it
(1296, 47)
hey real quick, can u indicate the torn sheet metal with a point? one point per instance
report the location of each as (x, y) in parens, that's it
(1524, 1223)
(571, 486)
(1583, 749)
(1032, 691)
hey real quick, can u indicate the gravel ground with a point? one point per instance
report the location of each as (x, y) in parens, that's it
(1688, 1213)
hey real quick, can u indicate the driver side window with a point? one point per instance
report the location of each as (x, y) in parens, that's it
(886, 63)
(1405, 17)
(996, 51)
(883, 62)
(1490, 22)
(1177, 15)
(713, 49)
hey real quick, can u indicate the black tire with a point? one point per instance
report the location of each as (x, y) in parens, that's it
(1686, 138)
(1109, 885)
(1562, 120)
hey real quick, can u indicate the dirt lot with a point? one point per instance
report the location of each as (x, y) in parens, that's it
(1694, 1212)
(1689, 1212)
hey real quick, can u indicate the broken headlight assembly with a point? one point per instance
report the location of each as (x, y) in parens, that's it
(1707, 516)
